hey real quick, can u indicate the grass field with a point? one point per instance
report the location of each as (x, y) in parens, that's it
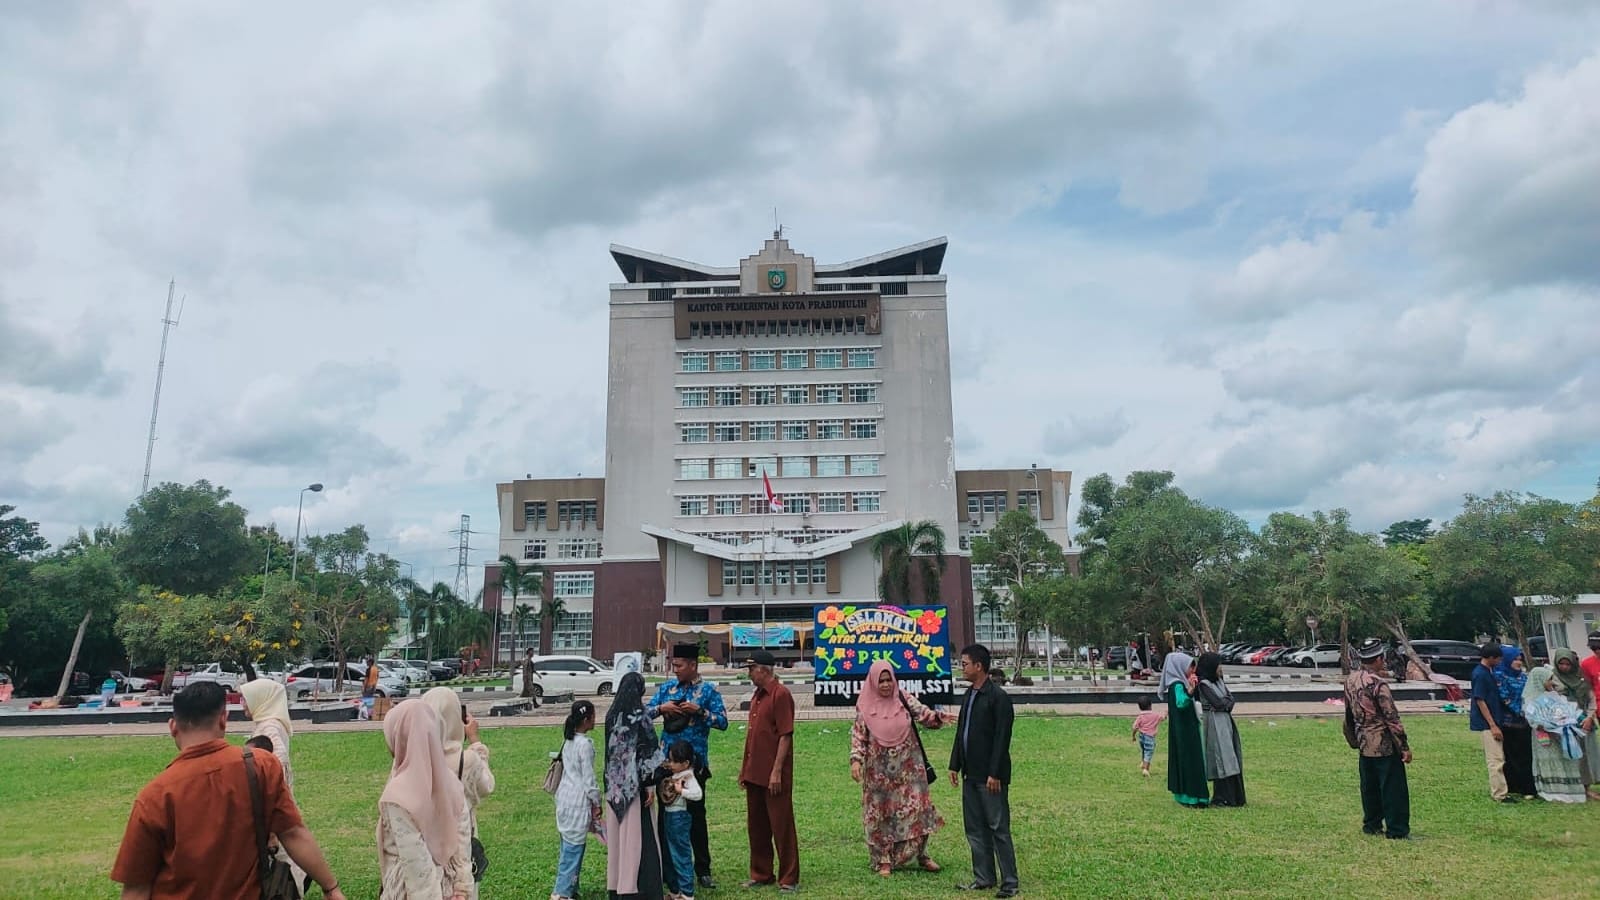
(1085, 823)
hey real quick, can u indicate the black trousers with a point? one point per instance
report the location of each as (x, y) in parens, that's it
(699, 839)
(986, 819)
(1385, 798)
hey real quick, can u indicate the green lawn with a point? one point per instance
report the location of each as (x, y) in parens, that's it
(1085, 823)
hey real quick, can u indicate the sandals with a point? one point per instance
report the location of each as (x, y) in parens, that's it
(928, 865)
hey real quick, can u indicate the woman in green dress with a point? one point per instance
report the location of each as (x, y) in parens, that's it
(1186, 760)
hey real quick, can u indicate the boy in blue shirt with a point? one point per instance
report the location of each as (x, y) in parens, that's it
(1486, 715)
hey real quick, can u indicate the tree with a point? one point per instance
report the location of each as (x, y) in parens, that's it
(429, 609)
(551, 613)
(19, 543)
(993, 605)
(1013, 553)
(189, 540)
(240, 629)
(912, 546)
(517, 581)
(1408, 531)
(1295, 551)
(522, 615)
(352, 605)
(84, 578)
(1385, 583)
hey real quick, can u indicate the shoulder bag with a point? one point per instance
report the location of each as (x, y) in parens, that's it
(480, 858)
(277, 879)
(1350, 726)
(552, 775)
(927, 768)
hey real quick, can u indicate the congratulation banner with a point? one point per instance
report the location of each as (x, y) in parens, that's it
(776, 636)
(914, 639)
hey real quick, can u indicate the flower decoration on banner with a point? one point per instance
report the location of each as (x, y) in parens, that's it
(930, 620)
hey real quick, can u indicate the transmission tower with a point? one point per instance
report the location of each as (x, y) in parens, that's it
(167, 321)
(463, 548)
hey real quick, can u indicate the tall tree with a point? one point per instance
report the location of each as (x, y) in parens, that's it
(187, 539)
(1011, 555)
(550, 613)
(912, 546)
(19, 543)
(1408, 531)
(1385, 583)
(85, 578)
(517, 580)
(430, 609)
(1295, 551)
(352, 605)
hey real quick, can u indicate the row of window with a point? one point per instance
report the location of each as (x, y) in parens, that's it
(775, 467)
(537, 512)
(772, 360)
(574, 548)
(730, 432)
(573, 584)
(772, 395)
(995, 502)
(770, 327)
(756, 504)
(774, 573)
(797, 535)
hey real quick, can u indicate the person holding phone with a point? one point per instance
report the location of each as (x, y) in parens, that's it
(466, 756)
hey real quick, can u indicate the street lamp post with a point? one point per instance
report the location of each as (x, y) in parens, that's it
(1038, 518)
(294, 567)
(1312, 623)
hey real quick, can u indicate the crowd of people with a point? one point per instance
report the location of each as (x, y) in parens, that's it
(189, 825)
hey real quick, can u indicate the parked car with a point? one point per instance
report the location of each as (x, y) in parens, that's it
(1280, 656)
(455, 665)
(230, 680)
(319, 678)
(1320, 655)
(399, 669)
(1539, 649)
(1116, 657)
(1255, 657)
(1454, 658)
(1238, 655)
(558, 674)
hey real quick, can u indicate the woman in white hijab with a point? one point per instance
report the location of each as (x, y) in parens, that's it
(466, 756)
(421, 854)
(267, 705)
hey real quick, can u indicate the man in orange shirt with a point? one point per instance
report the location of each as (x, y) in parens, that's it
(191, 835)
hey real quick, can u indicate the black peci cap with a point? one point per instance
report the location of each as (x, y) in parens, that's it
(759, 658)
(686, 651)
(1371, 648)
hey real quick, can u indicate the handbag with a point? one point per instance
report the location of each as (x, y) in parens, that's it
(1350, 728)
(480, 857)
(277, 879)
(552, 775)
(927, 767)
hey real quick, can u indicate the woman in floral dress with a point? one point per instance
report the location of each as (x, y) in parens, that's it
(886, 758)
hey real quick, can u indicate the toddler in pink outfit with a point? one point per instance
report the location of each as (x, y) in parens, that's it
(1144, 732)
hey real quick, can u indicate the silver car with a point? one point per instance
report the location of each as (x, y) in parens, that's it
(318, 678)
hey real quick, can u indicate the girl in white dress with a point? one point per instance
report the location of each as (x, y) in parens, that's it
(577, 798)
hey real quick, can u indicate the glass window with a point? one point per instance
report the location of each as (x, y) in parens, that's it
(802, 573)
(534, 512)
(728, 468)
(863, 359)
(796, 394)
(829, 465)
(830, 503)
(863, 393)
(692, 469)
(831, 430)
(533, 550)
(694, 432)
(764, 465)
(727, 396)
(694, 397)
(830, 393)
(866, 501)
(578, 548)
(819, 571)
(864, 428)
(865, 465)
(781, 574)
(729, 506)
(830, 359)
(747, 573)
(694, 362)
(794, 359)
(797, 504)
(763, 360)
(797, 467)
(573, 632)
(691, 506)
(974, 508)
(728, 361)
(730, 573)
(573, 584)
(763, 396)
(728, 431)
(763, 431)
(796, 431)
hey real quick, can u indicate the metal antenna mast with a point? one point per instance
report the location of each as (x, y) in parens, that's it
(463, 547)
(167, 321)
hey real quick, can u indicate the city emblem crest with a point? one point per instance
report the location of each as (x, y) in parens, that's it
(777, 279)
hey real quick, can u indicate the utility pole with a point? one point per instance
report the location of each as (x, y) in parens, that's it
(464, 547)
(167, 321)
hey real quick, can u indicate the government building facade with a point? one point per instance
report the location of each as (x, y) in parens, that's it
(764, 423)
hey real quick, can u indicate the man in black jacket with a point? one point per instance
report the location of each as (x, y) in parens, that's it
(980, 764)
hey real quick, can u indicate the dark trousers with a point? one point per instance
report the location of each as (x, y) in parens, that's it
(987, 820)
(770, 821)
(1385, 798)
(699, 839)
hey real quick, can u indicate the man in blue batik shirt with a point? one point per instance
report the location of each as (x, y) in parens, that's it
(689, 708)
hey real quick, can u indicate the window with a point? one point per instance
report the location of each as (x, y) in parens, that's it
(831, 430)
(694, 397)
(973, 507)
(797, 467)
(590, 510)
(766, 574)
(728, 468)
(729, 506)
(763, 464)
(796, 394)
(863, 359)
(863, 393)
(781, 574)
(794, 359)
(797, 504)
(578, 548)
(830, 393)
(763, 396)
(1028, 500)
(830, 503)
(802, 573)
(829, 465)
(694, 432)
(691, 506)
(864, 428)
(534, 512)
(763, 431)
(830, 359)
(730, 573)
(694, 469)
(866, 465)
(727, 396)
(819, 571)
(573, 632)
(763, 360)
(573, 584)
(867, 501)
(533, 550)
(727, 431)
(728, 361)
(796, 431)
(747, 574)
(577, 510)
(694, 362)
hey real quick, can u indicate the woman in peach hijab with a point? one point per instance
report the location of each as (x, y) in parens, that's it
(420, 851)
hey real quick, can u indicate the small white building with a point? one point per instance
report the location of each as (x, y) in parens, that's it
(1568, 627)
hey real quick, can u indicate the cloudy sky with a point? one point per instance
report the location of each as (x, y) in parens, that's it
(1305, 255)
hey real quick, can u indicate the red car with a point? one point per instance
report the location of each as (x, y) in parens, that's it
(1256, 658)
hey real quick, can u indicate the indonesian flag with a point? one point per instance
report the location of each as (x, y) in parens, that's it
(774, 502)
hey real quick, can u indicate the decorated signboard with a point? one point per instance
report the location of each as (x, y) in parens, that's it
(914, 639)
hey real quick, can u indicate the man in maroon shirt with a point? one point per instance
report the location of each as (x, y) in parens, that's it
(767, 776)
(191, 835)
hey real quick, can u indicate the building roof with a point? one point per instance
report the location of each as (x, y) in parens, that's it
(644, 267)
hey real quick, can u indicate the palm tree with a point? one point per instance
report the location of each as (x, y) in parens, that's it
(521, 615)
(993, 604)
(917, 545)
(516, 581)
(553, 610)
(429, 609)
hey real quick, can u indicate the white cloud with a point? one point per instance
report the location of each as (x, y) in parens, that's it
(1085, 431)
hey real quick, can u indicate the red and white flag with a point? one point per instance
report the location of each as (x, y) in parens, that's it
(774, 502)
